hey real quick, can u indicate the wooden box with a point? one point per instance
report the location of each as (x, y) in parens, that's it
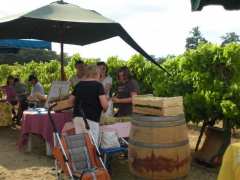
(159, 106)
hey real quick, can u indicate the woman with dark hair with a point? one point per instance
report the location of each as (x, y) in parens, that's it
(127, 87)
(105, 79)
(11, 98)
(8, 89)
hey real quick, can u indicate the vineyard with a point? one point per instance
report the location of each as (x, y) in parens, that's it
(208, 78)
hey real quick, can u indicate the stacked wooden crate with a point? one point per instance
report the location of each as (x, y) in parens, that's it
(158, 106)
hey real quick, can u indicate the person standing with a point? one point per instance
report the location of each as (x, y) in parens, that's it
(89, 96)
(79, 66)
(105, 79)
(89, 93)
(127, 87)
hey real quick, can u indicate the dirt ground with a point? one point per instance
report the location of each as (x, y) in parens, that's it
(15, 165)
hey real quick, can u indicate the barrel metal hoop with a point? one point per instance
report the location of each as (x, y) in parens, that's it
(137, 177)
(158, 118)
(157, 146)
(163, 124)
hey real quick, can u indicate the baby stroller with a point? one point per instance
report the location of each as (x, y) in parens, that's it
(77, 155)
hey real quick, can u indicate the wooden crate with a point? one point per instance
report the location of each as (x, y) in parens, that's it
(160, 106)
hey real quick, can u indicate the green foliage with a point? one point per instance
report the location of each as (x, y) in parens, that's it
(46, 72)
(70, 68)
(143, 71)
(209, 80)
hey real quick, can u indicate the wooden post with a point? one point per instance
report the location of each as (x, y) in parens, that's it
(62, 63)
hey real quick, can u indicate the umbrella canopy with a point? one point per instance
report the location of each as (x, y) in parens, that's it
(66, 23)
(25, 43)
(197, 5)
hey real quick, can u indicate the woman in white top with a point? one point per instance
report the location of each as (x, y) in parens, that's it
(105, 79)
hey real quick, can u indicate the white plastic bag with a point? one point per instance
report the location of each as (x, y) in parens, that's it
(109, 111)
(79, 126)
(109, 139)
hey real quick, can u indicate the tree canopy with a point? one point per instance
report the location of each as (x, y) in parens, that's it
(230, 38)
(27, 55)
(195, 38)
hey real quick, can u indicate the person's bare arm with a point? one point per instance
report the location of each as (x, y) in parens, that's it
(103, 102)
(71, 100)
(108, 87)
(124, 100)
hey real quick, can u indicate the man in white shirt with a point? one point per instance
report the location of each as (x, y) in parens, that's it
(37, 92)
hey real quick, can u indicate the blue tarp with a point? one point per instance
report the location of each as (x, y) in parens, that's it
(24, 43)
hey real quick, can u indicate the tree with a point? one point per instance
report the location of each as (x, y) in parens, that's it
(209, 80)
(229, 38)
(27, 55)
(194, 39)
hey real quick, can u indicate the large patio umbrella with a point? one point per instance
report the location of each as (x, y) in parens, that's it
(227, 4)
(66, 23)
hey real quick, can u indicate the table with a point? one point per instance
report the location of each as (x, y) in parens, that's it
(230, 168)
(36, 122)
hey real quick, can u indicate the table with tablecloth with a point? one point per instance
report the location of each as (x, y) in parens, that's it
(37, 122)
(230, 168)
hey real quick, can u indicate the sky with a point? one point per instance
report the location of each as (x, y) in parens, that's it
(160, 27)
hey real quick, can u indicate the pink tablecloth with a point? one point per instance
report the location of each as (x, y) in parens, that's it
(38, 123)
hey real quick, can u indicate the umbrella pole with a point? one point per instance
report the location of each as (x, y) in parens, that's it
(62, 65)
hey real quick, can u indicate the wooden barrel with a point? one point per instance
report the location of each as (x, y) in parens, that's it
(159, 147)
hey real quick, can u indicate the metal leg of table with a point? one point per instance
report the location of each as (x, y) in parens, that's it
(29, 144)
(105, 158)
(48, 149)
